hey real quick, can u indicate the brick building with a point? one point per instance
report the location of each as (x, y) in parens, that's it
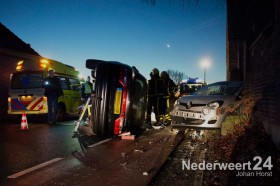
(253, 55)
(12, 49)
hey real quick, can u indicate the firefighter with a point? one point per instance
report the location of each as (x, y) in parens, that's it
(86, 89)
(155, 98)
(169, 97)
(53, 91)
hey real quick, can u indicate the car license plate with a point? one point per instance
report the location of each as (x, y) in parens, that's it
(189, 115)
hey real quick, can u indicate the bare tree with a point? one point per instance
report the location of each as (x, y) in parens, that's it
(176, 76)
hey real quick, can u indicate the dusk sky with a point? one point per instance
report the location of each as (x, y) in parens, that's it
(167, 35)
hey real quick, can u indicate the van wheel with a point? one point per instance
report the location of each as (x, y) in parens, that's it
(61, 110)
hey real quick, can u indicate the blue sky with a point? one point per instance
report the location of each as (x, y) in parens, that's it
(166, 36)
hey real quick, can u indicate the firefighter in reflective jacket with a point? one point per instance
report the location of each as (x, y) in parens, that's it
(169, 98)
(86, 89)
(155, 98)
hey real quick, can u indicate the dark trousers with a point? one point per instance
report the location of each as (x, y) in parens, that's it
(168, 104)
(52, 107)
(156, 102)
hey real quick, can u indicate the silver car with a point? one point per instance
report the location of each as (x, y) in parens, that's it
(206, 107)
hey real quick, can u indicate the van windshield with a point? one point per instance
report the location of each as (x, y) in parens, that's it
(27, 80)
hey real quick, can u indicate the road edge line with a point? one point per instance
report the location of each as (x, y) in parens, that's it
(21, 173)
(99, 143)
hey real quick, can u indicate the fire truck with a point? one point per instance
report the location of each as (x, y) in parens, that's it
(26, 92)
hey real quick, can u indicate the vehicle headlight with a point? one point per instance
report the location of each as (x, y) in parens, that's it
(205, 110)
(176, 105)
(215, 104)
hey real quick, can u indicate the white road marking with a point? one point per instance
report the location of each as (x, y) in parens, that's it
(34, 168)
(93, 145)
(69, 123)
(47, 163)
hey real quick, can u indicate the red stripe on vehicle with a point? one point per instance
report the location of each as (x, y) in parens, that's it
(25, 103)
(39, 101)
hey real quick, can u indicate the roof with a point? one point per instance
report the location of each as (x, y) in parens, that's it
(8, 40)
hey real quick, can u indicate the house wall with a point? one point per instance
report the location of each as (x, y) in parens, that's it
(254, 41)
(7, 66)
(264, 82)
(12, 49)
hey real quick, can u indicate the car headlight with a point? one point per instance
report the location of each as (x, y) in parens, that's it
(205, 110)
(215, 104)
(175, 105)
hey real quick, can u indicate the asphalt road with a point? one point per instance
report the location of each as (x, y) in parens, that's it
(20, 150)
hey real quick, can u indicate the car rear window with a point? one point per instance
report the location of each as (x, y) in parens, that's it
(27, 80)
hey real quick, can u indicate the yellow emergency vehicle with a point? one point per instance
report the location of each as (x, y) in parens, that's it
(26, 92)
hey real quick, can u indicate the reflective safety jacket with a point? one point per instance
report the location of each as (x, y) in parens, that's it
(86, 89)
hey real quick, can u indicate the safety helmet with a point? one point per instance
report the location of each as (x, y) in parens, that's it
(155, 71)
(51, 69)
(164, 74)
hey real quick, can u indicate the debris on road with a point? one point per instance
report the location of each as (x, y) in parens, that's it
(145, 174)
(128, 137)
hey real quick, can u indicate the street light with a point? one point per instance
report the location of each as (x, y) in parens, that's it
(205, 63)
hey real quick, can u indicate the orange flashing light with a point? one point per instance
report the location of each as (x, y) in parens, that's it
(26, 98)
(19, 65)
(43, 63)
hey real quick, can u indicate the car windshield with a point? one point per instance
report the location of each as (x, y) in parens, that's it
(26, 80)
(220, 88)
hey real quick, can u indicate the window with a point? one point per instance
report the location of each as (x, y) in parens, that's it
(189, 88)
(74, 84)
(27, 80)
(63, 83)
(221, 88)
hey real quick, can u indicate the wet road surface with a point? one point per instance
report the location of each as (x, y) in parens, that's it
(20, 150)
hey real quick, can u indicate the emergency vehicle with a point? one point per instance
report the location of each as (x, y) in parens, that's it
(189, 86)
(26, 92)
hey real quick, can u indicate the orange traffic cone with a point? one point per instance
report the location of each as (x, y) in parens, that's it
(24, 125)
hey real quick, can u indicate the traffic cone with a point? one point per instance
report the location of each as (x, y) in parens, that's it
(24, 125)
